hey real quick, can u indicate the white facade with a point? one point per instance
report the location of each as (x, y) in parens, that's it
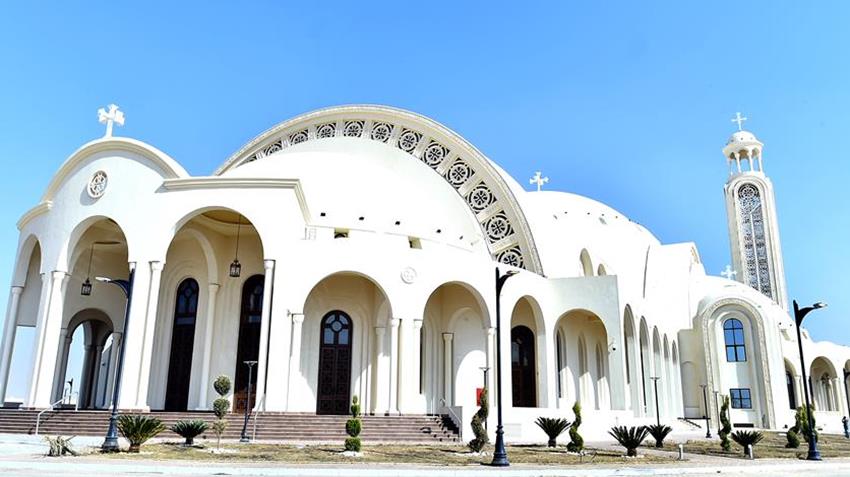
(387, 228)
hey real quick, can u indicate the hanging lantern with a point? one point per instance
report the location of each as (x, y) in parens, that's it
(85, 290)
(235, 266)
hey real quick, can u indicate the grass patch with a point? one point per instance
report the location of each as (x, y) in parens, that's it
(437, 455)
(773, 446)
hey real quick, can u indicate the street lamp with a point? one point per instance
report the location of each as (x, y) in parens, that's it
(705, 401)
(846, 398)
(500, 455)
(657, 412)
(799, 314)
(244, 437)
(110, 443)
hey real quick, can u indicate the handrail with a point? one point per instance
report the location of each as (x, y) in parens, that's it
(455, 418)
(258, 405)
(38, 418)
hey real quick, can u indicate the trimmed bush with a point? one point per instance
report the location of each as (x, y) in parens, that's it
(139, 429)
(747, 438)
(576, 442)
(189, 430)
(353, 427)
(659, 432)
(726, 428)
(793, 439)
(222, 385)
(553, 427)
(221, 407)
(629, 437)
(478, 420)
(802, 421)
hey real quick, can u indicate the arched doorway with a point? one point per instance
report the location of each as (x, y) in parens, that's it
(334, 387)
(523, 369)
(248, 348)
(182, 343)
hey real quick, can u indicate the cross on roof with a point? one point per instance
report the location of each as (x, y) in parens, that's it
(109, 116)
(739, 119)
(728, 273)
(538, 180)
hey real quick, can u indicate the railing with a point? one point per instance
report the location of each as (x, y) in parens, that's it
(455, 419)
(256, 415)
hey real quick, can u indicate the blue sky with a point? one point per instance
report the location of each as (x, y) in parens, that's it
(627, 103)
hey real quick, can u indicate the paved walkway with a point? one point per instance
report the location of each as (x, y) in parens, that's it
(23, 456)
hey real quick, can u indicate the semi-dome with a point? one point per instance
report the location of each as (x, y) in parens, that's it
(742, 144)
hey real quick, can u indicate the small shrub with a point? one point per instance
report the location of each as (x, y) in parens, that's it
(629, 437)
(222, 385)
(139, 429)
(576, 442)
(221, 407)
(478, 420)
(189, 430)
(659, 432)
(747, 438)
(793, 439)
(218, 427)
(553, 427)
(59, 446)
(353, 427)
(802, 422)
(726, 428)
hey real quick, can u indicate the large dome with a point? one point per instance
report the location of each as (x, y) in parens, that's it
(364, 185)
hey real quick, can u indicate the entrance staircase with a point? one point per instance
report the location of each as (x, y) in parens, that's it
(289, 427)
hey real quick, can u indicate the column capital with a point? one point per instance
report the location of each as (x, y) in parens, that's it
(132, 265)
(380, 330)
(17, 290)
(448, 337)
(394, 322)
(156, 265)
(213, 287)
(58, 275)
(417, 324)
(491, 331)
(268, 264)
(297, 317)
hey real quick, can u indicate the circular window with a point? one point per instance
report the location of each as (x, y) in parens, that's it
(97, 185)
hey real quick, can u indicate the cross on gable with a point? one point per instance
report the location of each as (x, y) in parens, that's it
(740, 120)
(538, 180)
(728, 273)
(109, 116)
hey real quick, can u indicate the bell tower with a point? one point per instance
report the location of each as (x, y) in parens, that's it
(751, 216)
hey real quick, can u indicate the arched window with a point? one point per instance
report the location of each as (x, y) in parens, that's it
(586, 263)
(182, 342)
(334, 387)
(733, 335)
(756, 266)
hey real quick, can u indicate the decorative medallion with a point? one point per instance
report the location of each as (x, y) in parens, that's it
(97, 185)
(408, 275)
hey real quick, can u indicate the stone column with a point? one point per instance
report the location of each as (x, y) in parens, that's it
(262, 360)
(394, 353)
(84, 387)
(838, 392)
(447, 368)
(294, 356)
(113, 367)
(151, 293)
(209, 325)
(382, 373)
(62, 365)
(414, 369)
(47, 339)
(95, 379)
(9, 332)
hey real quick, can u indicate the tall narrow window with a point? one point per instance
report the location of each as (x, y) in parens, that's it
(756, 266)
(792, 396)
(733, 335)
(182, 342)
(248, 347)
(523, 369)
(559, 350)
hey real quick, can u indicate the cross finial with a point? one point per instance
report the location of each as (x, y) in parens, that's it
(109, 116)
(728, 273)
(538, 180)
(740, 120)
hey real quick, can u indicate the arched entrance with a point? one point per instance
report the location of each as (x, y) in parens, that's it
(334, 388)
(523, 370)
(248, 348)
(182, 343)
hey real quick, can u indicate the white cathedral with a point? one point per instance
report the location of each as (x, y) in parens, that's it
(353, 251)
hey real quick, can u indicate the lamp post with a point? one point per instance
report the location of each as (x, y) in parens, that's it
(244, 437)
(846, 398)
(705, 401)
(799, 314)
(657, 412)
(110, 443)
(500, 455)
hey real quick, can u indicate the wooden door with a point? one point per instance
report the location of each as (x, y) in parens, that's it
(248, 348)
(182, 343)
(334, 390)
(523, 369)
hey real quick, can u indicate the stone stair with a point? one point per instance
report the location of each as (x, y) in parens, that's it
(425, 429)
